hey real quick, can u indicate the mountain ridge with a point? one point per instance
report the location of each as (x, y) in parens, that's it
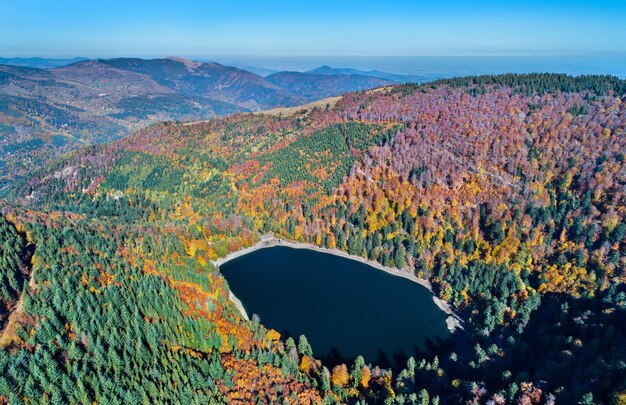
(46, 112)
(312, 86)
(397, 78)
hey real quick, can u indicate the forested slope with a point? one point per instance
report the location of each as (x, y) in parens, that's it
(506, 192)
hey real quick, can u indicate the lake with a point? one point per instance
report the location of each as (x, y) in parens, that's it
(344, 307)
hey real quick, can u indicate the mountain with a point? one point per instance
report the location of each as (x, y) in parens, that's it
(210, 80)
(394, 77)
(261, 71)
(41, 63)
(314, 86)
(46, 112)
(506, 194)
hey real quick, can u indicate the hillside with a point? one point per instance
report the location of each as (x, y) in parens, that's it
(394, 77)
(46, 112)
(40, 63)
(314, 86)
(508, 193)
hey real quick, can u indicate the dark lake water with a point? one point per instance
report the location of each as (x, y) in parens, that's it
(344, 307)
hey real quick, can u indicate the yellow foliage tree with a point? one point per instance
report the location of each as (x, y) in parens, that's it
(305, 364)
(340, 377)
(366, 374)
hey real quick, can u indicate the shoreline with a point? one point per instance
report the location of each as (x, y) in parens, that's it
(238, 305)
(453, 321)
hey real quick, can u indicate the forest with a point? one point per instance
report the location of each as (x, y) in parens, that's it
(507, 193)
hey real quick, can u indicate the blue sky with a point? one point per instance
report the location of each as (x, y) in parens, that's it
(62, 28)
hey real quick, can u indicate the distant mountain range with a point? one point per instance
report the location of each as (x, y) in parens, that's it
(259, 70)
(316, 86)
(331, 71)
(48, 111)
(44, 63)
(397, 78)
(41, 63)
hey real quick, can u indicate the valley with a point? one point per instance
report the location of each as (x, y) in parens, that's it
(505, 192)
(47, 112)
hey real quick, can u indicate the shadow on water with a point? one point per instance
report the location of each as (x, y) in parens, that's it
(398, 359)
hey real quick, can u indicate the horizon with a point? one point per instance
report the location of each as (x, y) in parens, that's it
(430, 67)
